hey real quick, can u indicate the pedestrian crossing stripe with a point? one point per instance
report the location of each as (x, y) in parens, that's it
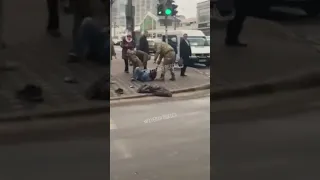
(112, 125)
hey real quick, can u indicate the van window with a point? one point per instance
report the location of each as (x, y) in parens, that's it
(198, 41)
(171, 39)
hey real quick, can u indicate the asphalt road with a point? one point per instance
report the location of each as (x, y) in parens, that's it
(79, 152)
(269, 137)
(167, 140)
(295, 20)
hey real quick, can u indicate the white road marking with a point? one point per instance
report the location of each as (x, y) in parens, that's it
(120, 145)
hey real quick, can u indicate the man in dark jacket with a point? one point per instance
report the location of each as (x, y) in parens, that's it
(243, 9)
(53, 28)
(185, 53)
(143, 43)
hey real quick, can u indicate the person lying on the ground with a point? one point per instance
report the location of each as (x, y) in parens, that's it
(92, 38)
(134, 59)
(144, 75)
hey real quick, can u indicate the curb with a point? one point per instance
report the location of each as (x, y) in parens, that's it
(306, 81)
(183, 90)
(96, 108)
(56, 113)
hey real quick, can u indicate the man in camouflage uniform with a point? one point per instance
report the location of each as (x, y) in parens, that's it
(134, 59)
(144, 57)
(167, 57)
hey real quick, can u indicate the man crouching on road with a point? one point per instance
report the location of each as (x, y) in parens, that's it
(166, 52)
(144, 75)
(142, 56)
(134, 58)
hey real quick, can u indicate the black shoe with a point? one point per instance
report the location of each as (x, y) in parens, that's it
(172, 79)
(183, 75)
(119, 91)
(30, 93)
(126, 71)
(235, 44)
(54, 33)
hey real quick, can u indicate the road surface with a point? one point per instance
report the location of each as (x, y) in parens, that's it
(270, 137)
(77, 152)
(161, 141)
(295, 21)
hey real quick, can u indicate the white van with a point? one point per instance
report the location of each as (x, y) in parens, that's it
(200, 47)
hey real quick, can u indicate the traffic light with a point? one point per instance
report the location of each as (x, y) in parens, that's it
(168, 11)
(174, 9)
(160, 10)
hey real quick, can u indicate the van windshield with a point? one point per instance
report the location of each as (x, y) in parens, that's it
(198, 41)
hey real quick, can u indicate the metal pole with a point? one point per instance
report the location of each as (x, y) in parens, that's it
(175, 23)
(166, 28)
(114, 29)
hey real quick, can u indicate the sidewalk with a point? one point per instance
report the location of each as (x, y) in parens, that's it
(123, 80)
(42, 61)
(270, 56)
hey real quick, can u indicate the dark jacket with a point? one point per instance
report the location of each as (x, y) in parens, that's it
(185, 52)
(125, 46)
(143, 44)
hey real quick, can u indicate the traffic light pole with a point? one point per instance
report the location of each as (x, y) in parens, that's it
(166, 27)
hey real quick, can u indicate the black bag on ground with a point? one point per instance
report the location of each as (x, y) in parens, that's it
(155, 90)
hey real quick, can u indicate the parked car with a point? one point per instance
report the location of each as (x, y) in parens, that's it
(116, 41)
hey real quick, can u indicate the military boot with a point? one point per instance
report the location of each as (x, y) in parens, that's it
(161, 77)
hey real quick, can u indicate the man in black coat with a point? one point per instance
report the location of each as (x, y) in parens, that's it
(243, 9)
(143, 43)
(185, 53)
(53, 28)
(234, 26)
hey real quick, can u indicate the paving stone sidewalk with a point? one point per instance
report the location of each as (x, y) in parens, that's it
(41, 61)
(271, 55)
(123, 80)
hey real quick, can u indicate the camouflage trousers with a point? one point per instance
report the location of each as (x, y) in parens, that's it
(165, 68)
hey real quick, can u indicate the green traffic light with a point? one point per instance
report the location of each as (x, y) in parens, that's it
(168, 11)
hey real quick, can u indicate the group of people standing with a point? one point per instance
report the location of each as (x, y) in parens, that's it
(165, 57)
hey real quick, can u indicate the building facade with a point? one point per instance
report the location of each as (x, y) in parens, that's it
(118, 16)
(203, 17)
(142, 7)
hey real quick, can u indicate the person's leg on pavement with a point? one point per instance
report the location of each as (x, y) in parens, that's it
(163, 71)
(126, 65)
(234, 29)
(183, 70)
(53, 28)
(87, 35)
(173, 77)
(137, 73)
